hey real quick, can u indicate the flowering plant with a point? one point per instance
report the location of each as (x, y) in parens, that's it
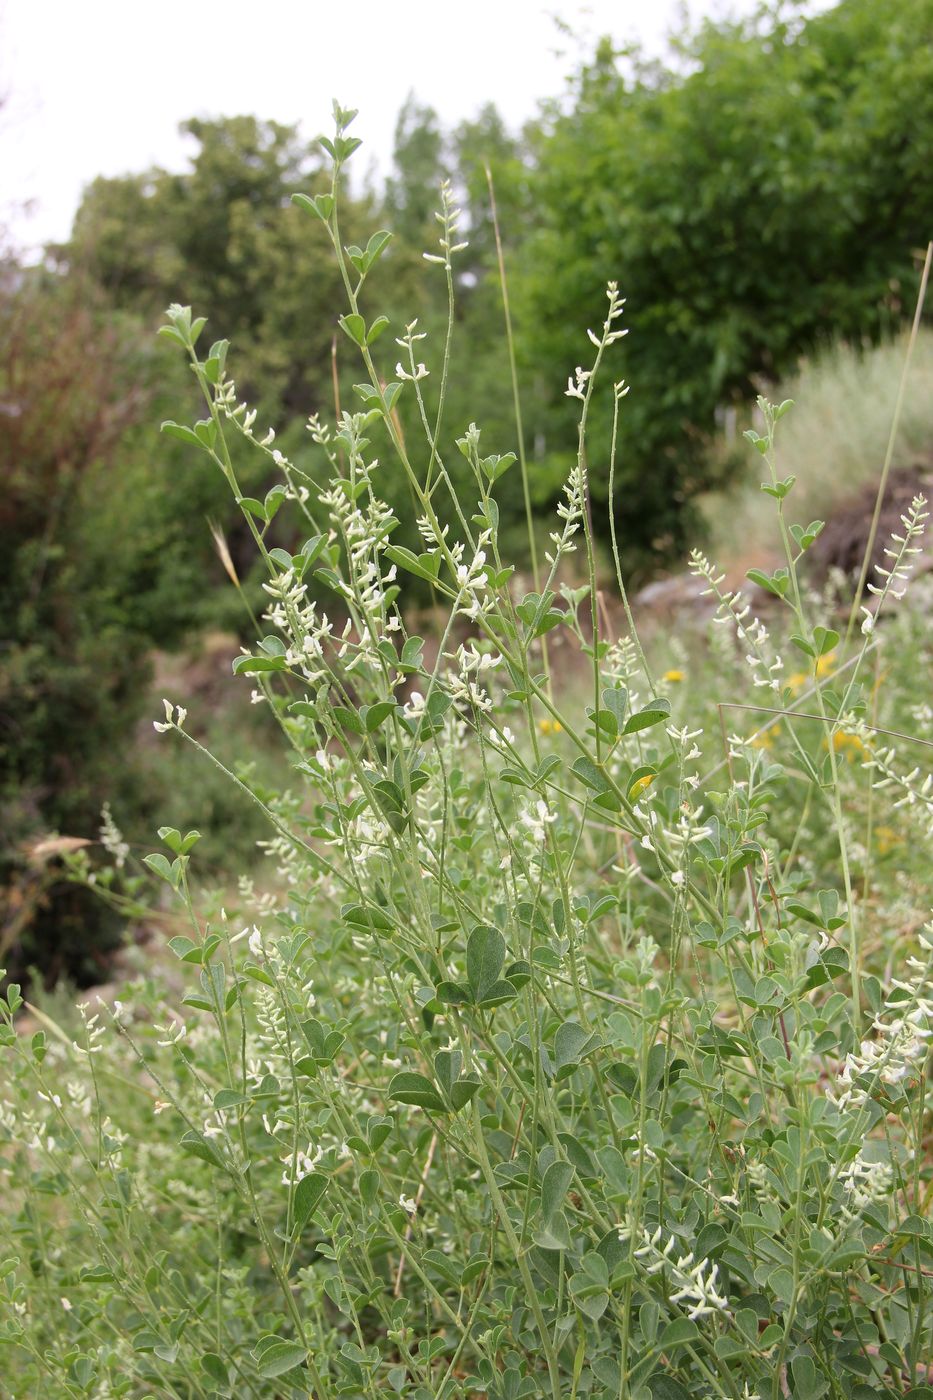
(568, 1051)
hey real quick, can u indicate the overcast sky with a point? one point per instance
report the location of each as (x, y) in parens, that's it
(98, 87)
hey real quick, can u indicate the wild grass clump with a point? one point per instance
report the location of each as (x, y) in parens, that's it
(582, 1051)
(836, 440)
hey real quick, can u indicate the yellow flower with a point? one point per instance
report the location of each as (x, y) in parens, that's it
(673, 676)
(825, 666)
(550, 726)
(765, 740)
(849, 744)
(887, 838)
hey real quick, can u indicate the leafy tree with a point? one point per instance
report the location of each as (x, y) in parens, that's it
(419, 166)
(73, 663)
(767, 192)
(100, 562)
(225, 236)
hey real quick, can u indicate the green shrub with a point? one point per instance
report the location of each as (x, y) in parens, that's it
(99, 564)
(761, 196)
(577, 1047)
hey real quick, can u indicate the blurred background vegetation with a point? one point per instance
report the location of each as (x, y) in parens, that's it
(764, 201)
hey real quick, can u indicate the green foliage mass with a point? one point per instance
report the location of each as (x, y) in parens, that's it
(98, 564)
(767, 193)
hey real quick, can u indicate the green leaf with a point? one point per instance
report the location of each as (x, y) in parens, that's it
(664, 1387)
(355, 327)
(322, 207)
(279, 1358)
(447, 1066)
(496, 466)
(678, 1334)
(590, 1298)
(378, 242)
(374, 716)
(615, 700)
(347, 719)
(596, 780)
(554, 1187)
(158, 864)
(308, 1193)
(410, 1088)
(825, 639)
(170, 333)
(369, 1186)
(274, 498)
(463, 1091)
(781, 489)
(253, 665)
(519, 974)
(214, 1368)
(177, 430)
(183, 948)
(655, 713)
(485, 958)
(198, 1002)
(496, 995)
(226, 1099)
(572, 1042)
(197, 1145)
(375, 331)
(424, 566)
(363, 261)
(453, 994)
(776, 583)
(553, 1233)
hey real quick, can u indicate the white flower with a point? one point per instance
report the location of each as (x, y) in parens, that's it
(865, 1184)
(408, 1204)
(175, 716)
(173, 1033)
(696, 1282)
(420, 372)
(111, 838)
(576, 384)
(414, 705)
(539, 820)
(300, 1165)
(93, 1033)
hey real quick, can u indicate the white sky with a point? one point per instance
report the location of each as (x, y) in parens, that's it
(98, 87)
